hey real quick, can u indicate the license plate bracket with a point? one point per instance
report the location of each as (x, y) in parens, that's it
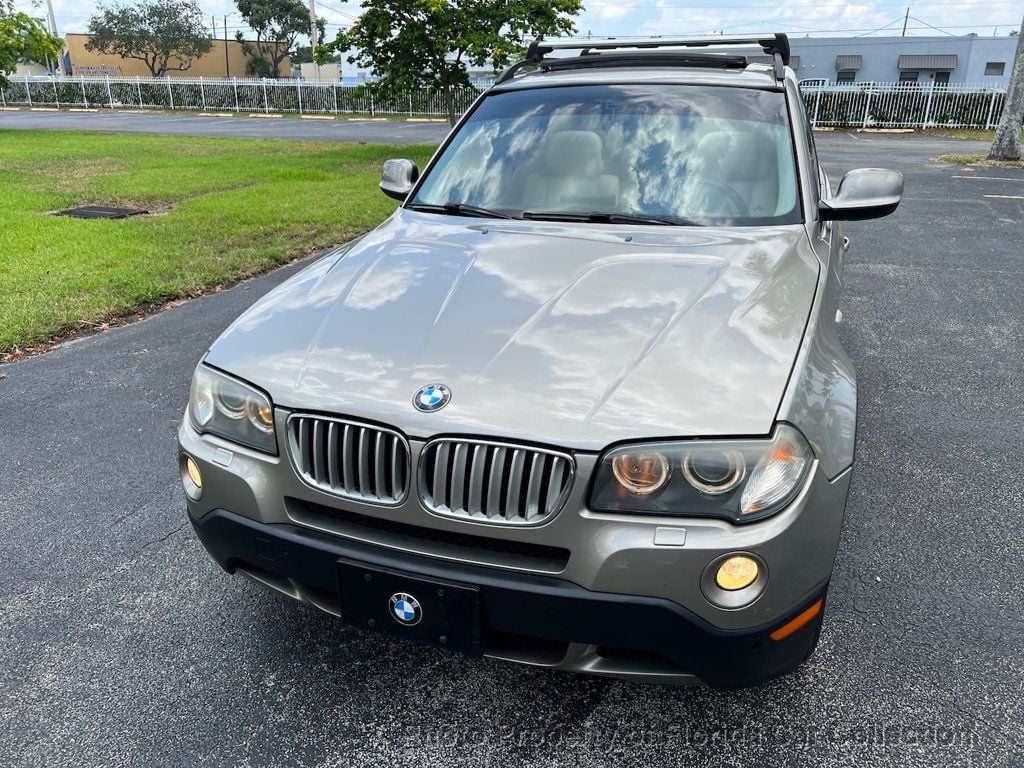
(435, 611)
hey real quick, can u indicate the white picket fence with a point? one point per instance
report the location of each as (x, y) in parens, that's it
(861, 105)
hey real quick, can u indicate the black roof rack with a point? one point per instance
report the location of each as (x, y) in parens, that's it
(776, 46)
(646, 59)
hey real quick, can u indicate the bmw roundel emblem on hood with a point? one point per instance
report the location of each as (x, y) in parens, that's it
(432, 397)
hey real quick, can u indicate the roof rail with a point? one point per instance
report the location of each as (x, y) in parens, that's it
(776, 46)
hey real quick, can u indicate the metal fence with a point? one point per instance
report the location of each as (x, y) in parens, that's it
(861, 105)
(902, 105)
(235, 94)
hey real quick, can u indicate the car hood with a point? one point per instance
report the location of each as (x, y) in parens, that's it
(573, 335)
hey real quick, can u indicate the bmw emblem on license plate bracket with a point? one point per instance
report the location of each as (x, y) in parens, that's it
(432, 397)
(405, 609)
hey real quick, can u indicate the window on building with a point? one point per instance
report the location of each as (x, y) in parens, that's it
(909, 77)
(995, 68)
(846, 76)
(942, 78)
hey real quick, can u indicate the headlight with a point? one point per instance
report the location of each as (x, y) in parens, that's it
(641, 473)
(229, 408)
(739, 480)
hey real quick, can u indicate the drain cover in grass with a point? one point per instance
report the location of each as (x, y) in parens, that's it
(100, 212)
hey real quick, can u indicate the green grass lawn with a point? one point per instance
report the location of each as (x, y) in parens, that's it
(960, 159)
(968, 134)
(223, 209)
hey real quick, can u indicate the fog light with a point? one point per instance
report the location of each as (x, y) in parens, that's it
(737, 572)
(191, 478)
(193, 472)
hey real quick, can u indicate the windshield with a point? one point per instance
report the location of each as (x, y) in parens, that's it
(672, 154)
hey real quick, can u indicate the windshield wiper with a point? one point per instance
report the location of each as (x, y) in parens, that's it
(460, 209)
(611, 218)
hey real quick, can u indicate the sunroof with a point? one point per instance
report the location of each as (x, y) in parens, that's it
(101, 212)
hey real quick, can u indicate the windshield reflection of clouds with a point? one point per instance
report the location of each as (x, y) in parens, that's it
(717, 156)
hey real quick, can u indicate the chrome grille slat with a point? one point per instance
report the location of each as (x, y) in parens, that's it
(348, 459)
(457, 478)
(379, 487)
(363, 457)
(441, 473)
(515, 483)
(318, 452)
(533, 485)
(304, 442)
(394, 466)
(494, 483)
(476, 480)
(333, 475)
(554, 484)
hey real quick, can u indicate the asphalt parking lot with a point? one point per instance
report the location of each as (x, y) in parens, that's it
(122, 643)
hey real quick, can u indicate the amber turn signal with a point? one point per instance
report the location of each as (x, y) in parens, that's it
(794, 624)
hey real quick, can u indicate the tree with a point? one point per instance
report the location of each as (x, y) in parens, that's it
(162, 35)
(1006, 145)
(277, 24)
(304, 55)
(428, 43)
(23, 39)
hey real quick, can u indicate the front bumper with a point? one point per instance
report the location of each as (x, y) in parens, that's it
(602, 567)
(529, 618)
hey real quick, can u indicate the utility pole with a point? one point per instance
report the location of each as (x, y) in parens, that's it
(1006, 145)
(314, 34)
(227, 61)
(53, 31)
(906, 16)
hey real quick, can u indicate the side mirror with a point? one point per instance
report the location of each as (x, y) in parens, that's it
(867, 193)
(398, 178)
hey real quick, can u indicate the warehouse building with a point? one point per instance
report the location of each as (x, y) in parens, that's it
(971, 60)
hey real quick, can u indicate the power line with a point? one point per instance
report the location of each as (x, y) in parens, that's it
(894, 21)
(929, 25)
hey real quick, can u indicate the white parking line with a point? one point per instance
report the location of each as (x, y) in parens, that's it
(992, 178)
(1006, 197)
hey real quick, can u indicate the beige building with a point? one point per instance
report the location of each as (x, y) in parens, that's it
(330, 71)
(224, 59)
(32, 70)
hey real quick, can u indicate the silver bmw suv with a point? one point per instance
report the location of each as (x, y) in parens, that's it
(580, 401)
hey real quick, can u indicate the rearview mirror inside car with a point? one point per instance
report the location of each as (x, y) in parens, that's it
(398, 177)
(866, 193)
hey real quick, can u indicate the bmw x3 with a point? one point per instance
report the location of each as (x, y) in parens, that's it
(580, 402)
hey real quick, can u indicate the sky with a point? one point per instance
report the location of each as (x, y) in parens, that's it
(609, 18)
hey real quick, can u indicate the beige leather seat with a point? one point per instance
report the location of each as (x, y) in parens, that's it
(570, 175)
(745, 161)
